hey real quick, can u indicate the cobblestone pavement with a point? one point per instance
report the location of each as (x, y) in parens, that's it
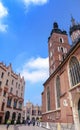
(3, 127)
(31, 127)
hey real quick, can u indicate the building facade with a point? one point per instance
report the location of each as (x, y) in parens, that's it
(31, 111)
(61, 94)
(11, 94)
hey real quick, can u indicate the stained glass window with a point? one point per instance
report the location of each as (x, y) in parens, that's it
(74, 70)
(58, 91)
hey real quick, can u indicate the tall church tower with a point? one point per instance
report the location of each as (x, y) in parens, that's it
(58, 47)
(74, 31)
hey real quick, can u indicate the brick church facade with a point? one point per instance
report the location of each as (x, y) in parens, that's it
(61, 94)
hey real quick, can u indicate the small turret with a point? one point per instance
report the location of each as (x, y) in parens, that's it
(55, 25)
(73, 21)
(74, 31)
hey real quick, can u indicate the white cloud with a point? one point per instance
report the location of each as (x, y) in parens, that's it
(35, 2)
(35, 70)
(3, 11)
(3, 27)
(3, 14)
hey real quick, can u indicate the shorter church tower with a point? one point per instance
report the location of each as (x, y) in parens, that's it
(58, 47)
(74, 31)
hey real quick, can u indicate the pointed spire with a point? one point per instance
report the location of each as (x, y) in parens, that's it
(73, 21)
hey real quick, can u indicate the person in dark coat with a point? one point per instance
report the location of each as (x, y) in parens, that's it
(29, 122)
(33, 122)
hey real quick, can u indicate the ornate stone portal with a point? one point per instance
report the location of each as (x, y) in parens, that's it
(76, 111)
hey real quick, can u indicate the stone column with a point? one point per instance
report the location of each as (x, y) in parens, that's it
(76, 118)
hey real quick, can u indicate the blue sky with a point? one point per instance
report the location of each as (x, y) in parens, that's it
(25, 26)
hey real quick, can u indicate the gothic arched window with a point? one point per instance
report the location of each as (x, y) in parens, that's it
(58, 91)
(48, 99)
(74, 70)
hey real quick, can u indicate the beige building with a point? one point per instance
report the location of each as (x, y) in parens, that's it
(11, 94)
(31, 111)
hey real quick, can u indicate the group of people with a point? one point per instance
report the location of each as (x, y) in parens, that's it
(31, 122)
(28, 122)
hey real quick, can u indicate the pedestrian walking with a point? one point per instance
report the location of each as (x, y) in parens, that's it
(15, 122)
(29, 122)
(33, 122)
(8, 123)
